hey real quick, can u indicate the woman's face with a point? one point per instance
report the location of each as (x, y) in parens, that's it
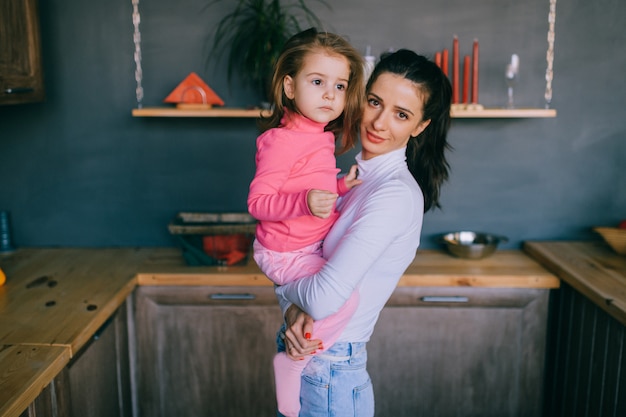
(393, 113)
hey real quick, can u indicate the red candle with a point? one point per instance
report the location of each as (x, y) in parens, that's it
(466, 80)
(438, 59)
(475, 73)
(444, 62)
(455, 70)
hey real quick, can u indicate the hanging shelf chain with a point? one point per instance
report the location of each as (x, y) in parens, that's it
(550, 52)
(137, 41)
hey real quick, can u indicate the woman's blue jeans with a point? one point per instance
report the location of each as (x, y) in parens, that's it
(335, 383)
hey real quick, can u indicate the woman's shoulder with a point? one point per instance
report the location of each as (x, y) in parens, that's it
(401, 181)
(397, 192)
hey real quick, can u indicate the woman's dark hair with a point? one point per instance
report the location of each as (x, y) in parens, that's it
(425, 153)
(291, 62)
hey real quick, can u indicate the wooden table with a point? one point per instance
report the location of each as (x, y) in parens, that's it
(56, 299)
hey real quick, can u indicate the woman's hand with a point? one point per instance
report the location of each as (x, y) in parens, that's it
(298, 343)
(321, 203)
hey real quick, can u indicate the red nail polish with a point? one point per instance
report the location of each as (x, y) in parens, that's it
(307, 336)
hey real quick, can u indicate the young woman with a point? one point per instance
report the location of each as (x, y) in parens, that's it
(402, 165)
(317, 94)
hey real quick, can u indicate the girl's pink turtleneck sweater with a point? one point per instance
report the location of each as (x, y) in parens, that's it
(291, 160)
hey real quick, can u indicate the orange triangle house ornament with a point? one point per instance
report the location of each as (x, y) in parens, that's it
(193, 93)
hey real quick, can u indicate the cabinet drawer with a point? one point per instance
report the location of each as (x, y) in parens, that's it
(468, 297)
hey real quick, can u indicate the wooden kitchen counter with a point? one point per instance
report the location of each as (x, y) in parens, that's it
(430, 268)
(56, 299)
(592, 268)
(25, 370)
(61, 297)
(53, 302)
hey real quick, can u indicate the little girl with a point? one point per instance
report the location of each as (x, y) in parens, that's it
(317, 94)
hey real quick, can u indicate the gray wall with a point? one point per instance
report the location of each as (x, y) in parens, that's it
(78, 170)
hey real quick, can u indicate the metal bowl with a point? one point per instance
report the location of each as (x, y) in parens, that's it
(472, 245)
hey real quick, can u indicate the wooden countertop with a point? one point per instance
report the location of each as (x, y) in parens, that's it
(53, 302)
(61, 297)
(55, 299)
(25, 370)
(504, 269)
(592, 268)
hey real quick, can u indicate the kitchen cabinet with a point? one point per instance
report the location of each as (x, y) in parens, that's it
(21, 74)
(586, 372)
(459, 351)
(135, 331)
(206, 351)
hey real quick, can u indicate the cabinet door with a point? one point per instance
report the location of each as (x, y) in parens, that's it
(206, 351)
(97, 378)
(442, 352)
(53, 400)
(21, 78)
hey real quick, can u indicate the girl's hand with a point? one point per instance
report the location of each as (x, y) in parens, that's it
(321, 203)
(351, 178)
(298, 343)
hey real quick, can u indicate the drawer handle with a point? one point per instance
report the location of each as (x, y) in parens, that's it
(220, 296)
(445, 299)
(19, 90)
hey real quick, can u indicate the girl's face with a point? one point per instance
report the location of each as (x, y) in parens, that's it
(393, 114)
(319, 88)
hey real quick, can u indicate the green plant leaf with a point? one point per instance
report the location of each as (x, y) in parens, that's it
(252, 35)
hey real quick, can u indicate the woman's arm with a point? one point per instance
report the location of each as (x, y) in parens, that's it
(380, 220)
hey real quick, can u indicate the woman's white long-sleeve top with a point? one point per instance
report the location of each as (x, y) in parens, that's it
(368, 248)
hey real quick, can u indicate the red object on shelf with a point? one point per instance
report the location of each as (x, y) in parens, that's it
(438, 59)
(475, 72)
(455, 70)
(466, 78)
(229, 248)
(444, 62)
(193, 90)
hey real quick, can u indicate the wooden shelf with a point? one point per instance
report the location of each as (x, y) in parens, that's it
(213, 112)
(483, 113)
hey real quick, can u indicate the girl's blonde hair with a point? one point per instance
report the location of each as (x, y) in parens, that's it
(291, 60)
